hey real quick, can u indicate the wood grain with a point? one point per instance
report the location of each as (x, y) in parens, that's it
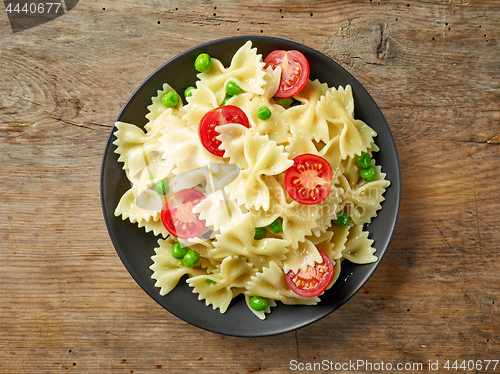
(68, 304)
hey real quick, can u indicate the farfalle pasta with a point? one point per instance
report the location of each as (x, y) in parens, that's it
(251, 221)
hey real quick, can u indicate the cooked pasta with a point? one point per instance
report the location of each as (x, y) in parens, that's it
(248, 188)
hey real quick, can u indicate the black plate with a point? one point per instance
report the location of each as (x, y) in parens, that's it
(135, 247)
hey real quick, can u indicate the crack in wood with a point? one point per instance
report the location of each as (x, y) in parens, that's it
(79, 125)
(9, 220)
(383, 45)
(447, 242)
(297, 345)
(480, 238)
(494, 139)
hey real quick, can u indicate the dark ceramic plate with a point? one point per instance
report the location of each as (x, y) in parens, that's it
(135, 247)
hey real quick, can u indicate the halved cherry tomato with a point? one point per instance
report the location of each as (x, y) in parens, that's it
(308, 180)
(314, 280)
(216, 117)
(294, 71)
(177, 214)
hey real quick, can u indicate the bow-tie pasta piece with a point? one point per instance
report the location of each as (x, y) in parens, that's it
(305, 117)
(224, 285)
(261, 314)
(257, 157)
(365, 198)
(219, 213)
(246, 70)
(240, 241)
(358, 247)
(355, 135)
(157, 108)
(167, 270)
(201, 101)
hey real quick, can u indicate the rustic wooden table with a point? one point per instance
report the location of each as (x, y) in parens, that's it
(68, 304)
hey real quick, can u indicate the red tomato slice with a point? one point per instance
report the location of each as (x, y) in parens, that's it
(177, 214)
(308, 180)
(314, 280)
(216, 117)
(294, 71)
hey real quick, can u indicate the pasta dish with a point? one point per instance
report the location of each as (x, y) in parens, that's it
(257, 180)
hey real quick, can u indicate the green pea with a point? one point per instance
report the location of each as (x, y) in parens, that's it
(189, 91)
(276, 227)
(191, 258)
(364, 160)
(258, 303)
(342, 219)
(260, 233)
(170, 99)
(161, 187)
(226, 98)
(203, 63)
(264, 113)
(210, 282)
(285, 102)
(178, 251)
(233, 89)
(369, 173)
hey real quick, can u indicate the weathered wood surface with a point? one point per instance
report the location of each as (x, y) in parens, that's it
(68, 304)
